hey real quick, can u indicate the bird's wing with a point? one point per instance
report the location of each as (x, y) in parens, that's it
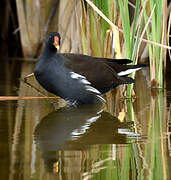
(97, 72)
(106, 60)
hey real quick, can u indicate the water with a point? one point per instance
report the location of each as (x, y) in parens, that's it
(44, 139)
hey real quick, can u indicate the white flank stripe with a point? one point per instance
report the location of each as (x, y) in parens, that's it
(90, 88)
(93, 119)
(84, 81)
(128, 71)
(99, 112)
(76, 76)
(102, 99)
(77, 132)
(79, 77)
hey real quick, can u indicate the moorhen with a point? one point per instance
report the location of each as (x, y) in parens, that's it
(77, 78)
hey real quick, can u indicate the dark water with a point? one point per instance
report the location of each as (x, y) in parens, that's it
(44, 139)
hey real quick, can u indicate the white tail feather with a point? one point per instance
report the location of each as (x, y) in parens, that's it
(128, 71)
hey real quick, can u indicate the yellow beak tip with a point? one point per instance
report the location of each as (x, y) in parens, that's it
(57, 47)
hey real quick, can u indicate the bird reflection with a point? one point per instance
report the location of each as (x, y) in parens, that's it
(77, 128)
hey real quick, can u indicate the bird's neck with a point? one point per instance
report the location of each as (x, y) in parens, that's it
(48, 51)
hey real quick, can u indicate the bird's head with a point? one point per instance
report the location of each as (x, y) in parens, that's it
(53, 40)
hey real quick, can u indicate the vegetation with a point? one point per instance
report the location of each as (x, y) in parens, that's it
(105, 28)
(144, 23)
(105, 31)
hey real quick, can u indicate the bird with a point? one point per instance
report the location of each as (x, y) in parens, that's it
(78, 78)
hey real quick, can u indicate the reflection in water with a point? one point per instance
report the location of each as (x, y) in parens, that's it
(85, 142)
(76, 128)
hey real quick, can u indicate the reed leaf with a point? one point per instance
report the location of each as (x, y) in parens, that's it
(125, 170)
(96, 43)
(126, 26)
(136, 48)
(134, 26)
(155, 53)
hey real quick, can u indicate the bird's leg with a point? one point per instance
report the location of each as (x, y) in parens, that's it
(25, 81)
(28, 76)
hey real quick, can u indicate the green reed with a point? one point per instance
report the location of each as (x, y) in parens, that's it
(133, 33)
(156, 160)
(156, 35)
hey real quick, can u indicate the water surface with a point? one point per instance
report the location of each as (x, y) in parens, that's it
(44, 139)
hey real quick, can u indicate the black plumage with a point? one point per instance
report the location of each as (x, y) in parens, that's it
(78, 78)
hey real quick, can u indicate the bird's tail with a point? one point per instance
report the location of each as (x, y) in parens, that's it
(128, 69)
